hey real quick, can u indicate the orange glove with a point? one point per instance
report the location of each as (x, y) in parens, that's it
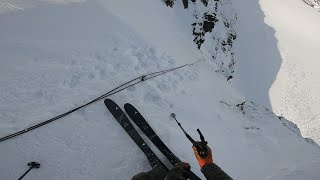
(203, 161)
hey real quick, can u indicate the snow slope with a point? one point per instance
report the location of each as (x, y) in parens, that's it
(257, 53)
(57, 56)
(277, 60)
(295, 92)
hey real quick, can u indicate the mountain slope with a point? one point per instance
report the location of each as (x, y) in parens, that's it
(295, 92)
(55, 57)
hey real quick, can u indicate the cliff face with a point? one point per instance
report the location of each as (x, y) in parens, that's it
(213, 31)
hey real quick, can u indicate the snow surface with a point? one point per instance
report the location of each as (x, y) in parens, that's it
(277, 59)
(295, 92)
(57, 56)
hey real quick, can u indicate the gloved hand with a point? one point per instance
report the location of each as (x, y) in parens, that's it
(186, 168)
(203, 161)
(183, 165)
(180, 171)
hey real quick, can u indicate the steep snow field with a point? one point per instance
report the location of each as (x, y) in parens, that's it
(57, 56)
(258, 57)
(277, 59)
(295, 92)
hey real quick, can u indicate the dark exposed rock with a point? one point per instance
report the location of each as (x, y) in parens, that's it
(219, 44)
(206, 24)
(231, 38)
(205, 2)
(185, 3)
(209, 21)
(169, 3)
(230, 77)
(241, 106)
(251, 128)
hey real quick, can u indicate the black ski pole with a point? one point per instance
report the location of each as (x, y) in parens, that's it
(33, 165)
(201, 146)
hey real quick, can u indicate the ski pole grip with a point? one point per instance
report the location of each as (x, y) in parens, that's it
(201, 136)
(202, 149)
(202, 146)
(34, 165)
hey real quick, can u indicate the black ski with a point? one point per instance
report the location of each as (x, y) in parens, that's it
(132, 132)
(139, 120)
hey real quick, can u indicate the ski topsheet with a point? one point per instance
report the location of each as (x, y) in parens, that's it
(132, 132)
(139, 120)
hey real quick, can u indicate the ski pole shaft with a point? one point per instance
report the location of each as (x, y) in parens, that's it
(33, 165)
(24, 174)
(173, 115)
(201, 146)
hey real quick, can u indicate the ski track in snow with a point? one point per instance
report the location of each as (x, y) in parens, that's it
(85, 50)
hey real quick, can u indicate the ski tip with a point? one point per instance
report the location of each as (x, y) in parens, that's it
(107, 101)
(128, 106)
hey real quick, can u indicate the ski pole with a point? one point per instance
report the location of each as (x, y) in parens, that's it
(33, 165)
(201, 146)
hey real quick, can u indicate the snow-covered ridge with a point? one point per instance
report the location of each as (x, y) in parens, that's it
(313, 3)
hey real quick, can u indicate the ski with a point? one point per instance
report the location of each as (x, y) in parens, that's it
(132, 132)
(139, 120)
